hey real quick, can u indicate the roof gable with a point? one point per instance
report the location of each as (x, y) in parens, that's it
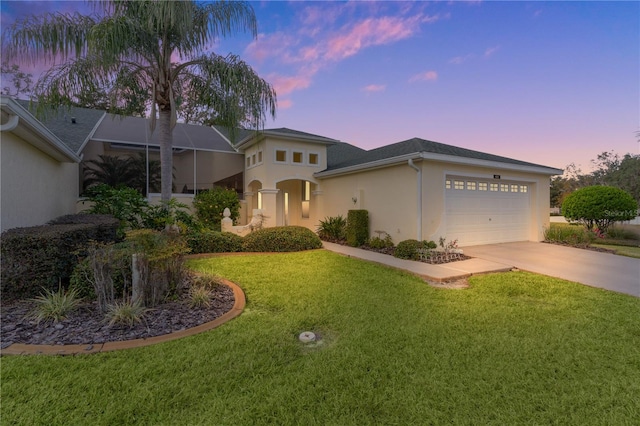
(72, 126)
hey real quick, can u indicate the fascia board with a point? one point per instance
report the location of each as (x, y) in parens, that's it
(90, 136)
(491, 164)
(251, 139)
(45, 140)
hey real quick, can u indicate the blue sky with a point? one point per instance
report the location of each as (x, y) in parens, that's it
(547, 82)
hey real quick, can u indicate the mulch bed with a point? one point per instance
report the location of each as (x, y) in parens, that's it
(87, 324)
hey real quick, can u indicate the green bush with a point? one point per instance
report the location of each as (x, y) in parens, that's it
(281, 239)
(333, 229)
(599, 206)
(209, 241)
(408, 249)
(209, 206)
(126, 204)
(572, 235)
(158, 216)
(381, 241)
(357, 227)
(45, 256)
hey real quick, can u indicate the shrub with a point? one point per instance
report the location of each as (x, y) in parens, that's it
(409, 249)
(281, 239)
(55, 305)
(572, 235)
(209, 206)
(381, 241)
(159, 264)
(333, 229)
(357, 227)
(209, 241)
(158, 216)
(126, 204)
(43, 256)
(599, 206)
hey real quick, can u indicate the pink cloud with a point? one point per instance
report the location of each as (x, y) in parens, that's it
(374, 88)
(371, 32)
(461, 59)
(490, 51)
(284, 104)
(424, 76)
(287, 84)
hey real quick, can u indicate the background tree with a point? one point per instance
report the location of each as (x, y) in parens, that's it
(19, 81)
(116, 172)
(143, 41)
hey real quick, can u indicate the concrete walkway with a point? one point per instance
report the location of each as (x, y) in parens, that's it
(603, 270)
(447, 272)
(596, 269)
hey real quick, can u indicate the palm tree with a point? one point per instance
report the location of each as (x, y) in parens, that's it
(146, 45)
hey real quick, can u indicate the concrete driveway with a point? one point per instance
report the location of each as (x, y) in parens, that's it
(604, 270)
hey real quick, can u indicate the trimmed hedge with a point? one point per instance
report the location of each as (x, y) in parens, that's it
(357, 227)
(281, 239)
(411, 249)
(45, 256)
(214, 242)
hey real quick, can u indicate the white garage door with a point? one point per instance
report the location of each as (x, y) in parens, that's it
(486, 212)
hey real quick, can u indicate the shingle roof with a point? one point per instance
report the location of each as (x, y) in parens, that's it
(136, 131)
(59, 122)
(415, 146)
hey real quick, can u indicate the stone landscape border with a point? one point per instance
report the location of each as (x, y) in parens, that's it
(238, 307)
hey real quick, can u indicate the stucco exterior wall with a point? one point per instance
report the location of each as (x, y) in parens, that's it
(35, 188)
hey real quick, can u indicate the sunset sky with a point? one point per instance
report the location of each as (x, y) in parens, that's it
(547, 82)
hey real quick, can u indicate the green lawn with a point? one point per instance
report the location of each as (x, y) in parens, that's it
(514, 348)
(621, 250)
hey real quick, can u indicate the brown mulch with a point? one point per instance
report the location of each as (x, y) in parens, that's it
(87, 324)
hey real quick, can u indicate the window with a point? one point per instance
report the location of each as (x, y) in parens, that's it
(306, 195)
(447, 184)
(482, 186)
(514, 188)
(504, 187)
(524, 188)
(253, 160)
(281, 156)
(493, 187)
(313, 158)
(297, 157)
(259, 156)
(248, 161)
(471, 186)
(458, 184)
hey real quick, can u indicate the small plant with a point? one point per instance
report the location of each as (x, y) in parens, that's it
(125, 313)
(333, 229)
(448, 246)
(55, 305)
(169, 213)
(381, 241)
(199, 297)
(572, 235)
(409, 249)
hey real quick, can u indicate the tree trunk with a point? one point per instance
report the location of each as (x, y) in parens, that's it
(166, 154)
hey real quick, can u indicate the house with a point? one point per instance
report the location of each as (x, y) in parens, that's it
(414, 189)
(38, 171)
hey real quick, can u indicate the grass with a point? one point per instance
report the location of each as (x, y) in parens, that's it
(514, 348)
(621, 250)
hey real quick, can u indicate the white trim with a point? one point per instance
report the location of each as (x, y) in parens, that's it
(92, 132)
(45, 140)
